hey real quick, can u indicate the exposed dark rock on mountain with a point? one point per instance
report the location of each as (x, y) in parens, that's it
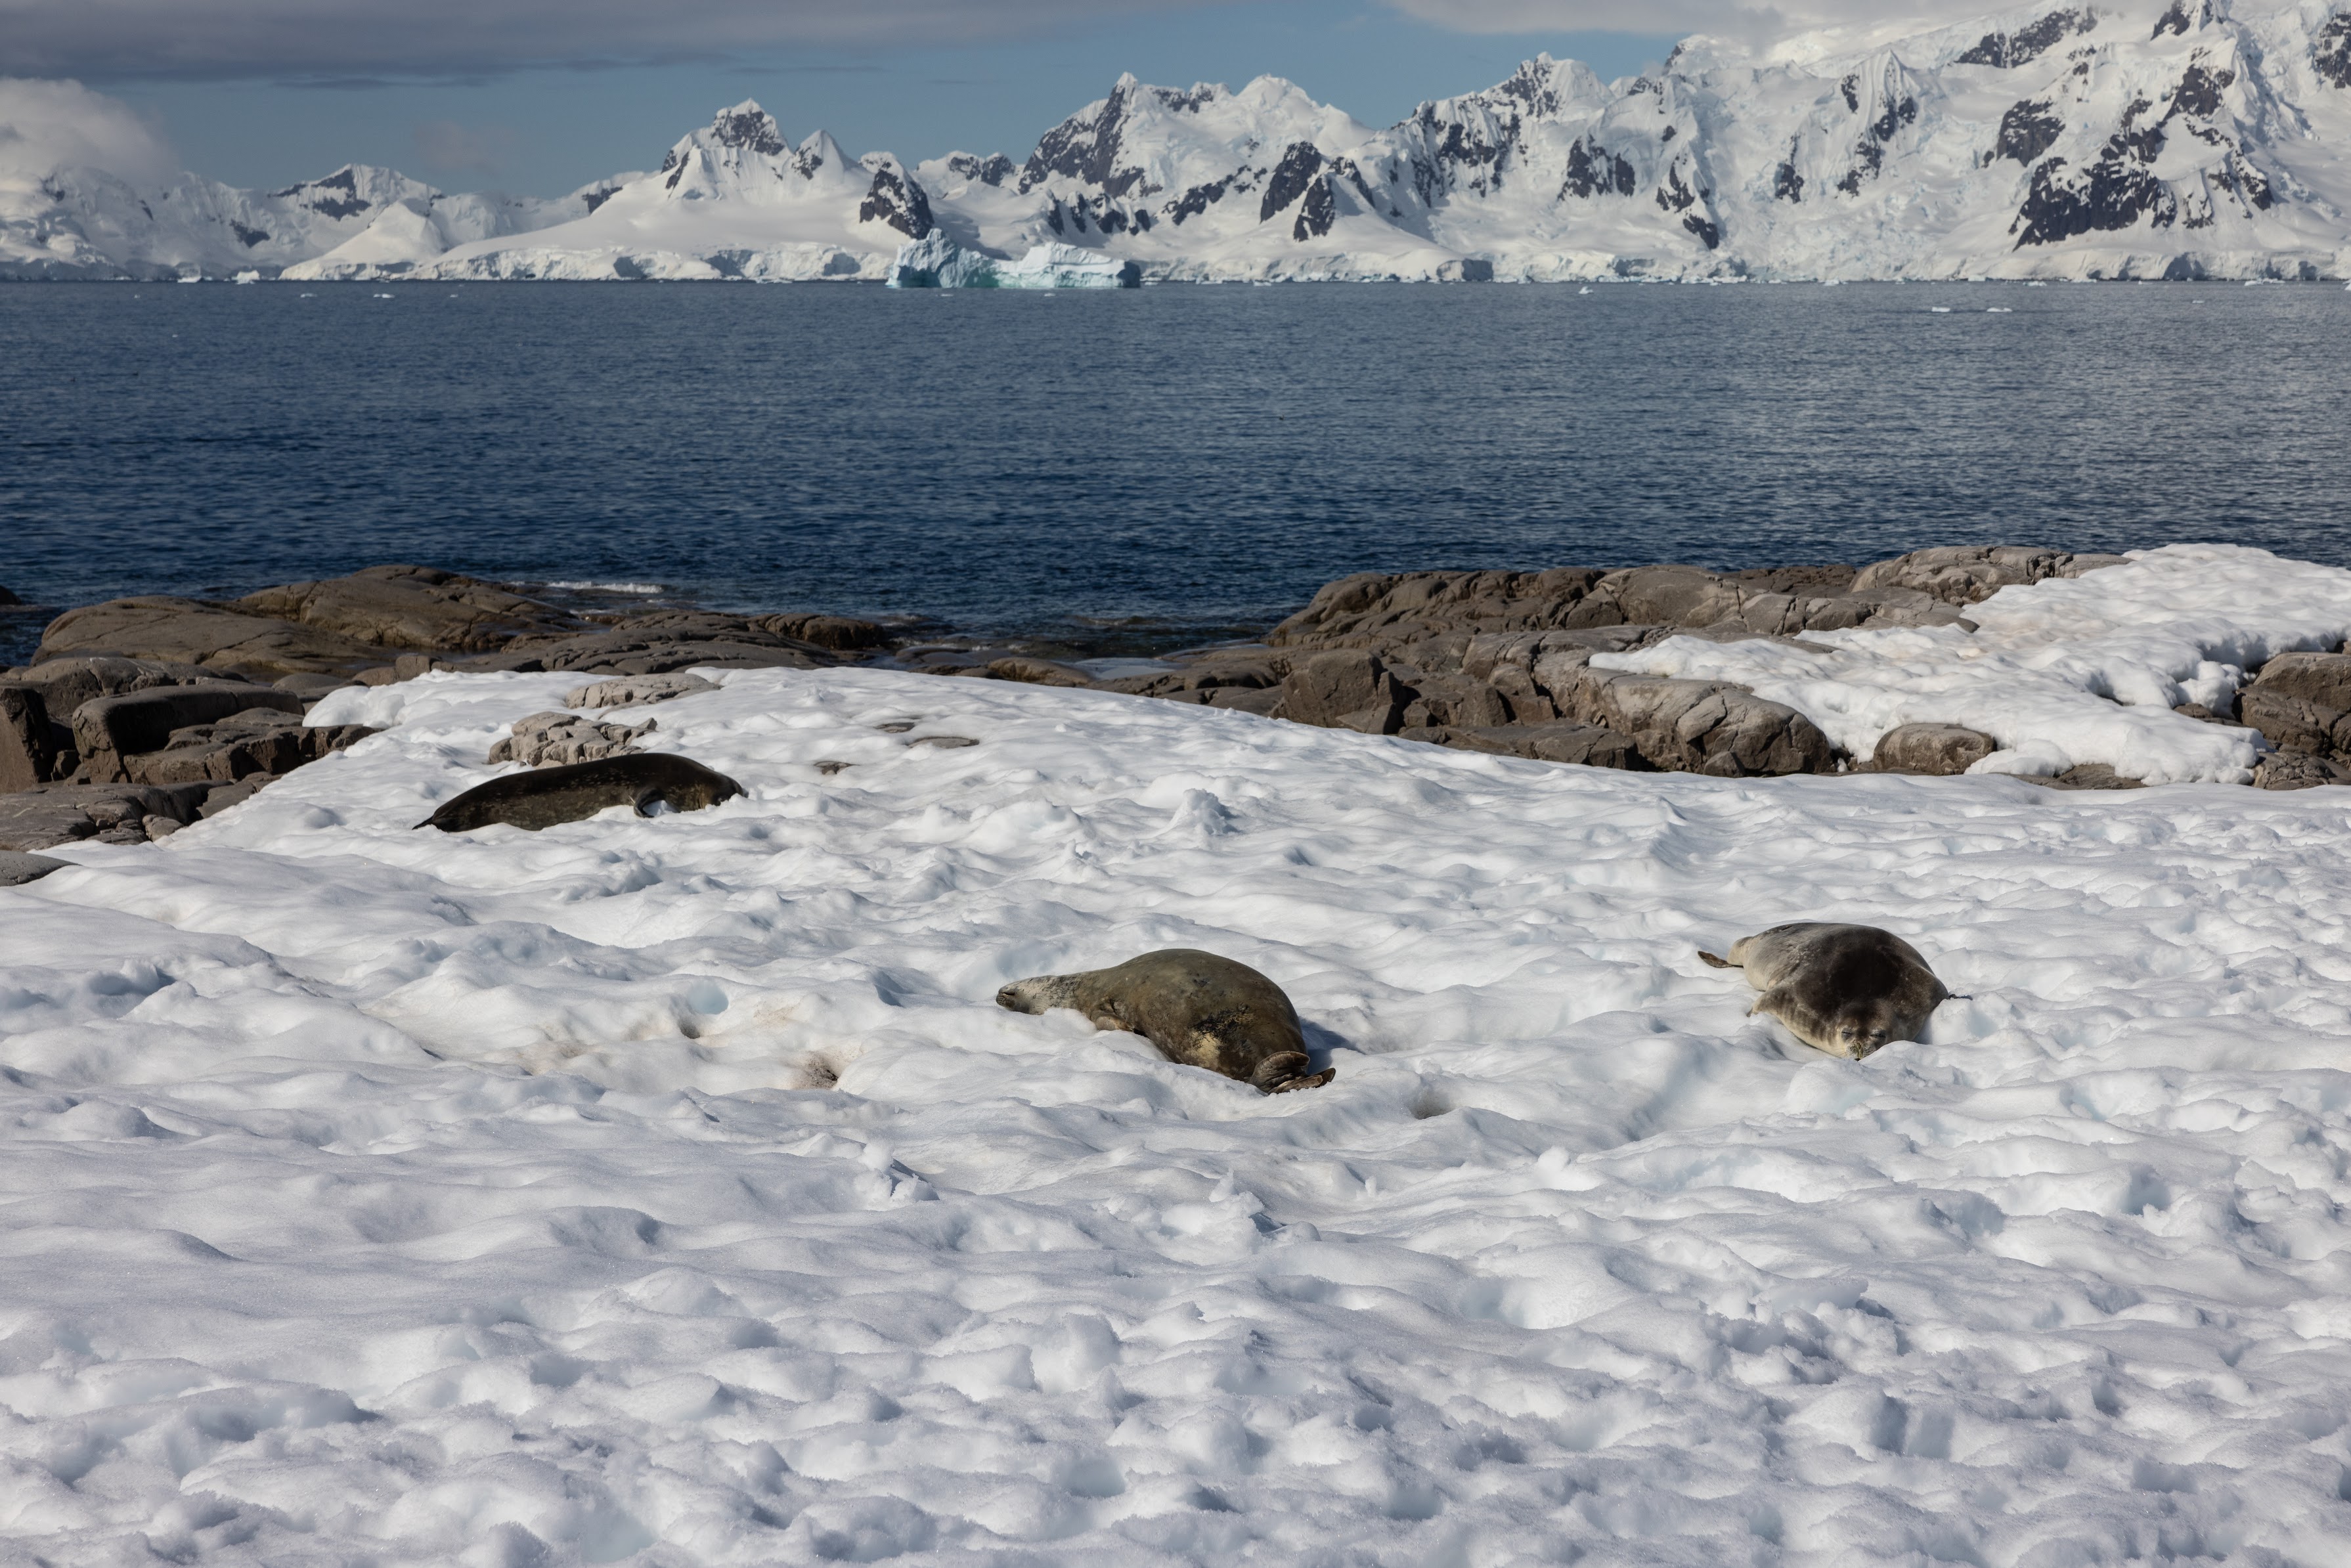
(2027, 130)
(897, 201)
(2028, 44)
(2331, 53)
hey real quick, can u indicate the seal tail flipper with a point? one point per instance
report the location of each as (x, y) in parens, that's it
(1720, 963)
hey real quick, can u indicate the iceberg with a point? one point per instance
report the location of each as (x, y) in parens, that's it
(935, 261)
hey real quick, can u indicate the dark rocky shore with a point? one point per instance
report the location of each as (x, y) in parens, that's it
(139, 715)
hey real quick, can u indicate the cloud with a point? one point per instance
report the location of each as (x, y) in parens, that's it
(1719, 18)
(232, 39)
(444, 144)
(51, 125)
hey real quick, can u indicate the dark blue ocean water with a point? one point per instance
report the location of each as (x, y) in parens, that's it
(1146, 466)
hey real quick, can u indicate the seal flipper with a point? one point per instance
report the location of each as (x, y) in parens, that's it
(1286, 1071)
(1718, 963)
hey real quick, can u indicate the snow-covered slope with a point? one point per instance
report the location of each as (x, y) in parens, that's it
(2154, 137)
(732, 200)
(670, 1190)
(81, 221)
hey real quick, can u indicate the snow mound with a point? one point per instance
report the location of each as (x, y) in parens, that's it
(671, 1187)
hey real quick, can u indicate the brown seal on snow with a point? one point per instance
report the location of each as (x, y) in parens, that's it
(1845, 989)
(542, 797)
(1197, 1008)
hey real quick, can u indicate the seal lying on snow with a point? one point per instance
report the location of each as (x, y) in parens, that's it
(543, 797)
(1846, 989)
(1197, 1008)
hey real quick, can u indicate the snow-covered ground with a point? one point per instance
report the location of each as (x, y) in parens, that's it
(670, 1190)
(2085, 670)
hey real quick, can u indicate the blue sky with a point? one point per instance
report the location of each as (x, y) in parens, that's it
(541, 130)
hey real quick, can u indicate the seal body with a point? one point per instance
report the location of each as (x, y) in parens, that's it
(1845, 989)
(1197, 1008)
(542, 797)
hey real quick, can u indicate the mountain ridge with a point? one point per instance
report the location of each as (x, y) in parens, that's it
(2154, 139)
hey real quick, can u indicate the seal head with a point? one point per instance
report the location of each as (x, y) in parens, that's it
(1844, 989)
(542, 797)
(1197, 1008)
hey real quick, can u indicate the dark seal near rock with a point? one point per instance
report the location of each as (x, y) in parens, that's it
(1197, 1008)
(1845, 989)
(545, 796)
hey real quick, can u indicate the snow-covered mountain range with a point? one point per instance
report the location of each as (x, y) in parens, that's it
(2154, 137)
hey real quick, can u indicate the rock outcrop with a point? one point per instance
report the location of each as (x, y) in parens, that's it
(1969, 574)
(108, 730)
(2301, 703)
(51, 814)
(549, 740)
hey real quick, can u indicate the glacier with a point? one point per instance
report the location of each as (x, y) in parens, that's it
(936, 262)
(2156, 139)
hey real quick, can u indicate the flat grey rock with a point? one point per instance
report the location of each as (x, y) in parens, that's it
(18, 868)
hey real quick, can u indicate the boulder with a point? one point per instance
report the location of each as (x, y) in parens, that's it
(311, 687)
(2298, 770)
(1038, 672)
(1246, 671)
(1694, 727)
(636, 691)
(840, 633)
(221, 637)
(108, 730)
(1389, 610)
(52, 814)
(8, 598)
(334, 626)
(17, 869)
(1343, 689)
(28, 741)
(1967, 574)
(66, 683)
(264, 741)
(416, 607)
(548, 739)
(1429, 619)
(1458, 702)
(2302, 701)
(1669, 595)
(1933, 748)
(659, 643)
(1588, 745)
(235, 794)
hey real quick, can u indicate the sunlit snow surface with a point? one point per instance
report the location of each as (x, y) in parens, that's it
(382, 1195)
(2062, 672)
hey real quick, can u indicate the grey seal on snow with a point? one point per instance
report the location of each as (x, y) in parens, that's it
(1845, 989)
(542, 797)
(1197, 1008)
